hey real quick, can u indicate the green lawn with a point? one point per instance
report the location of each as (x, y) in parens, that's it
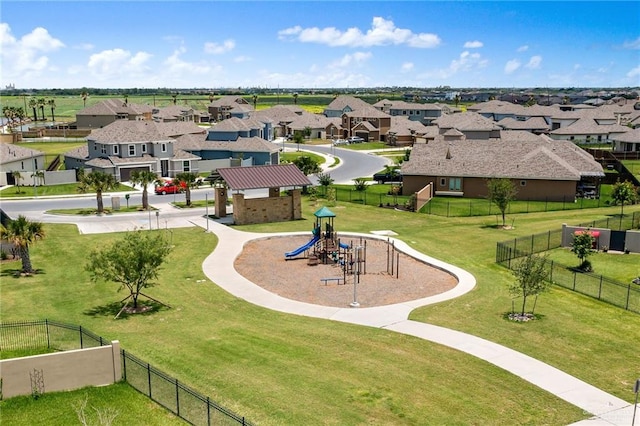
(62, 189)
(290, 156)
(282, 369)
(617, 266)
(633, 166)
(59, 408)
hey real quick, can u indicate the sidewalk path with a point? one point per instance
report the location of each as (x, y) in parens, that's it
(219, 268)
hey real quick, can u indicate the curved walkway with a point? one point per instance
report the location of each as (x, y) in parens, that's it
(219, 268)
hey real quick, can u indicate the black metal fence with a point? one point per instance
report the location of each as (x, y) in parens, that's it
(624, 295)
(165, 390)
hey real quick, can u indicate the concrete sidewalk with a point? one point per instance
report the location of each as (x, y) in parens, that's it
(218, 266)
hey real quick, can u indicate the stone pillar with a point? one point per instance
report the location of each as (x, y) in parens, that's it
(117, 362)
(221, 202)
(239, 209)
(296, 204)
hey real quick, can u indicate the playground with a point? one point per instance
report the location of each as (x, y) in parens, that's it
(263, 263)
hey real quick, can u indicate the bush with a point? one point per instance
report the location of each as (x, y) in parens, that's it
(586, 266)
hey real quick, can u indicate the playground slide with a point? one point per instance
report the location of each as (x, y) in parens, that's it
(344, 246)
(301, 249)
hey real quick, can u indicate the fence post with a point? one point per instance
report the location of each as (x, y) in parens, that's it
(149, 378)
(626, 307)
(177, 398)
(533, 238)
(548, 240)
(81, 343)
(574, 281)
(600, 289)
(551, 272)
(46, 323)
(124, 365)
(208, 412)
(448, 204)
(469, 207)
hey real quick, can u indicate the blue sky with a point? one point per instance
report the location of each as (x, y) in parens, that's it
(327, 44)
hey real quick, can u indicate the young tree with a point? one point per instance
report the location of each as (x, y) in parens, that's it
(21, 232)
(324, 179)
(84, 95)
(531, 278)
(52, 105)
(143, 178)
(359, 184)
(501, 192)
(306, 132)
(188, 180)
(298, 138)
(623, 192)
(582, 246)
(99, 182)
(33, 104)
(132, 262)
(17, 176)
(38, 177)
(42, 102)
(307, 165)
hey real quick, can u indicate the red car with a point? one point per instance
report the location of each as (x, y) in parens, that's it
(169, 187)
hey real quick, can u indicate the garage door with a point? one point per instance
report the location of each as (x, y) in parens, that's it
(125, 174)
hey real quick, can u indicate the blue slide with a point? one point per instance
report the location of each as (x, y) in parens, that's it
(299, 250)
(344, 246)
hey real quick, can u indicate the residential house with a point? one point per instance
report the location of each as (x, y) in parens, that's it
(280, 116)
(471, 124)
(245, 151)
(343, 104)
(540, 168)
(423, 113)
(15, 158)
(626, 142)
(174, 113)
(106, 112)
(229, 106)
(125, 146)
(234, 128)
(406, 132)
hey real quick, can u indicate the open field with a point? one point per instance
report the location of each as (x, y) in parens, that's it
(279, 369)
(58, 408)
(618, 266)
(62, 189)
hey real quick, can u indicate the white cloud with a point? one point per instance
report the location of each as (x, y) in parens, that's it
(406, 67)
(634, 72)
(242, 58)
(180, 68)
(84, 46)
(382, 33)
(633, 44)
(27, 54)
(349, 60)
(219, 48)
(511, 66)
(466, 62)
(115, 63)
(534, 62)
(523, 48)
(473, 44)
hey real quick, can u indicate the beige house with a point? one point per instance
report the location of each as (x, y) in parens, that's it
(110, 110)
(14, 158)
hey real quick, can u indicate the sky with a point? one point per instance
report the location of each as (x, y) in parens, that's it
(319, 44)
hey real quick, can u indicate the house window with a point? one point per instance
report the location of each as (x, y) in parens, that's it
(163, 147)
(132, 150)
(455, 184)
(103, 149)
(116, 149)
(186, 166)
(144, 148)
(404, 112)
(523, 183)
(443, 181)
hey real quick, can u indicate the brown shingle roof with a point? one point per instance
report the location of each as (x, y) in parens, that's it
(256, 177)
(10, 152)
(123, 131)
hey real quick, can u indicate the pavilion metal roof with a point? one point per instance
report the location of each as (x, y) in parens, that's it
(257, 177)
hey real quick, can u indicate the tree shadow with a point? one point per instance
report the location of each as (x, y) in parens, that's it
(145, 307)
(17, 273)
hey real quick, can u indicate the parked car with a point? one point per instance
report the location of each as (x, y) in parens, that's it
(169, 187)
(385, 177)
(338, 142)
(355, 139)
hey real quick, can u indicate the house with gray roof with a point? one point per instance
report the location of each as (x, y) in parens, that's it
(540, 168)
(247, 151)
(15, 158)
(125, 146)
(589, 130)
(343, 104)
(106, 112)
(471, 124)
(423, 113)
(626, 142)
(229, 106)
(234, 128)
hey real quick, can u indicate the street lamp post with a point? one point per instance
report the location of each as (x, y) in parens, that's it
(158, 219)
(206, 208)
(356, 277)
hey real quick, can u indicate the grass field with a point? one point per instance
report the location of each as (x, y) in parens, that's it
(62, 189)
(623, 268)
(282, 369)
(59, 408)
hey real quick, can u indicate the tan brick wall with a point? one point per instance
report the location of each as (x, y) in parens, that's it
(265, 210)
(62, 371)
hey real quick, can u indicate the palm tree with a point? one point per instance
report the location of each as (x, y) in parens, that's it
(33, 103)
(52, 105)
(17, 176)
(211, 97)
(188, 180)
(295, 99)
(9, 113)
(255, 101)
(175, 98)
(22, 232)
(20, 115)
(41, 103)
(143, 178)
(99, 182)
(126, 99)
(38, 176)
(84, 95)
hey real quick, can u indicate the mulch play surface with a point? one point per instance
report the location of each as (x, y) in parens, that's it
(263, 262)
